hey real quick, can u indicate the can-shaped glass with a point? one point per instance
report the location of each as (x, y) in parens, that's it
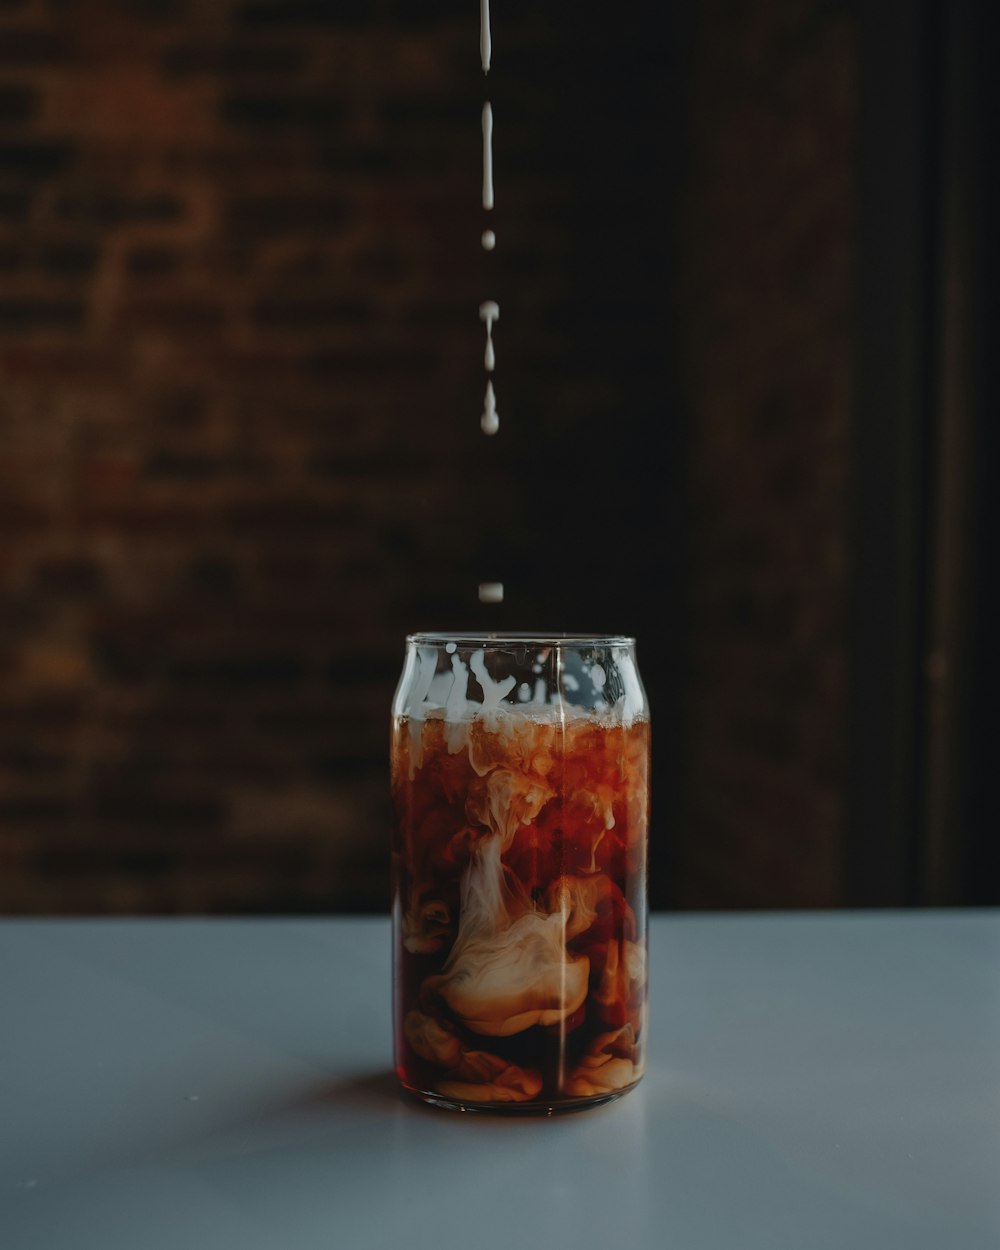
(520, 785)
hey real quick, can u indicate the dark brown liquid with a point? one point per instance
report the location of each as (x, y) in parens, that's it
(519, 904)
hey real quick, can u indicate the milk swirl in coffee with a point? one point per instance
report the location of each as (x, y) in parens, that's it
(519, 852)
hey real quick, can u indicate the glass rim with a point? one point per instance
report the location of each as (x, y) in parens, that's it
(477, 638)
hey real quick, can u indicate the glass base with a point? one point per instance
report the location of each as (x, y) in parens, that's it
(536, 1106)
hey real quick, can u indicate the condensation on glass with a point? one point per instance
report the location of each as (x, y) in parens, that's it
(520, 783)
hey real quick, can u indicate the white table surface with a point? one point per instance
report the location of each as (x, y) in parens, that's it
(824, 1080)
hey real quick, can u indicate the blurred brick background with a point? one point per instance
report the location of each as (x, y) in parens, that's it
(240, 381)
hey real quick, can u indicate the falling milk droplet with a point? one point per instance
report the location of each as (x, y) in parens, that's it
(487, 155)
(490, 421)
(485, 42)
(489, 311)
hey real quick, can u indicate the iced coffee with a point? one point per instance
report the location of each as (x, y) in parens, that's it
(520, 782)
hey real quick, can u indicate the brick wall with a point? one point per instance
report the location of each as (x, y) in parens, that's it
(240, 381)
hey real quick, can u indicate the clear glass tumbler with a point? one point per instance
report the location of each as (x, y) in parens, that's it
(520, 784)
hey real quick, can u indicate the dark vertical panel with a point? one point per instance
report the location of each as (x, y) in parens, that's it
(958, 398)
(977, 815)
(892, 414)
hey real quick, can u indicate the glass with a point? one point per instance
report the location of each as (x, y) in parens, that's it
(520, 784)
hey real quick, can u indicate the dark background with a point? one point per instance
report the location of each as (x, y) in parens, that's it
(744, 271)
